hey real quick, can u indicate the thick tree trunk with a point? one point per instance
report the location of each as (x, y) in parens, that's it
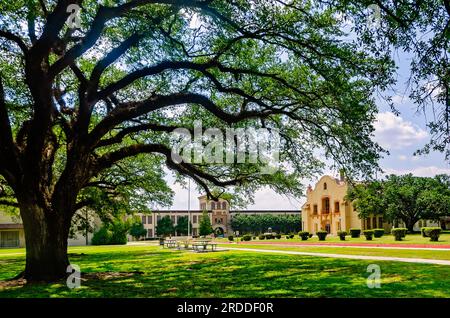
(410, 225)
(46, 234)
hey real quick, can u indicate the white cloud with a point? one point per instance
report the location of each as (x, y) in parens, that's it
(402, 158)
(429, 171)
(393, 132)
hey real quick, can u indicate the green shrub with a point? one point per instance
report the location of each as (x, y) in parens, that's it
(342, 235)
(268, 236)
(422, 230)
(247, 238)
(102, 236)
(261, 237)
(322, 235)
(310, 235)
(230, 238)
(288, 237)
(399, 233)
(291, 235)
(368, 234)
(433, 233)
(378, 232)
(355, 233)
(254, 237)
(278, 236)
(119, 230)
(303, 235)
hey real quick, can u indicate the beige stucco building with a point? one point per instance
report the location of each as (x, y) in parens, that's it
(326, 209)
(11, 231)
(219, 212)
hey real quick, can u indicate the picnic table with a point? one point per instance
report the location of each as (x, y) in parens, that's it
(170, 243)
(202, 246)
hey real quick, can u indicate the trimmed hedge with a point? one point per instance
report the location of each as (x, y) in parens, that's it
(278, 236)
(355, 233)
(433, 233)
(247, 238)
(322, 235)
(261, 237)
(230, 238)
(303, 235)
(399, 233)
(368, 234)
(342, 235)
(422, 230)
(378, 232)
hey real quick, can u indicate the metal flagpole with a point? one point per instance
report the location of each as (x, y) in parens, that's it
(189, 207)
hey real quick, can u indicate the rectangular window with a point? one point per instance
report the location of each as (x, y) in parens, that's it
(368, 224)
(149, 233)
(194, 219)
(178, 218)
(150, 219)
(380, 222)
(315, 209)
(374, 220)
(9, 239)
(144, 219)
(173, 218)
(336, 207)
(158, 218)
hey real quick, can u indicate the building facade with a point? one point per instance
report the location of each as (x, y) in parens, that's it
(219, 213)
(11, 231)
(326, 209)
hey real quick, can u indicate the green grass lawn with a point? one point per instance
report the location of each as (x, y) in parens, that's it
(444, 239)
(170, 273)
(428, 254)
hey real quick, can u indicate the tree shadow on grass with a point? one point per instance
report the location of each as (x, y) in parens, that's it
(239, 274)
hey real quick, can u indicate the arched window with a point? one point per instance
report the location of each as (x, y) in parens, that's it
(213, 206)
(224, 205)
(325, 186)
(326, 205)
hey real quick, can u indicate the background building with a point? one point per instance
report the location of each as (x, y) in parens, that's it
(326, 209)
(219, 212)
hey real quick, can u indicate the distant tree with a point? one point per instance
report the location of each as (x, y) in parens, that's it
(82, 223)
(260, 223)
(165, 227)
(182, 226)
(113, 233)
(205, 227)
(137, 229)
(407, 198)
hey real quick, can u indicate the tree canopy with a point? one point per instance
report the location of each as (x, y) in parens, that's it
(421, 30)
(257, 224)
(165, 227)
(406, 198)
(205, 227)
(78, 105)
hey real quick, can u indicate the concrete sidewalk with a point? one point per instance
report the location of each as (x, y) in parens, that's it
(360, 257)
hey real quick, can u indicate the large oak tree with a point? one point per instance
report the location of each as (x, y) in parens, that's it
(76, 103)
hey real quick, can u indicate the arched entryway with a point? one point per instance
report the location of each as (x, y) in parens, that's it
(219, 231)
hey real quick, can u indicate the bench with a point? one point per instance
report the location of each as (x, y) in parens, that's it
(170, 243)
(203, 246)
